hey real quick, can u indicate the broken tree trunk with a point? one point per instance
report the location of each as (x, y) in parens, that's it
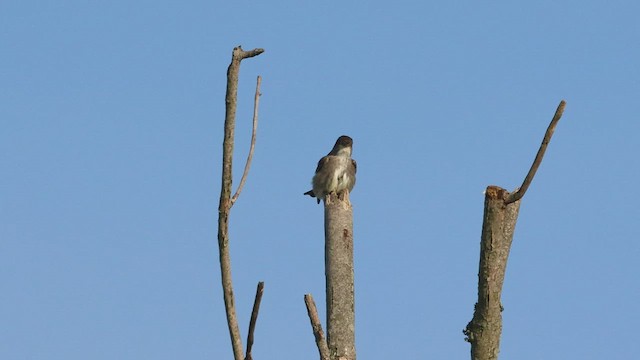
(498, 225)
(497, 234)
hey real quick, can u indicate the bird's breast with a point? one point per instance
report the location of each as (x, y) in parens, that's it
(342, 176)
(336, 174)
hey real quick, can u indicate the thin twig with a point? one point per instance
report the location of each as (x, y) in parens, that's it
(515, 196)
(256, 102)
(321, 342)
(254, 318)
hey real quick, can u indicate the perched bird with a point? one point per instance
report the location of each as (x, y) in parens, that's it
(336, 172)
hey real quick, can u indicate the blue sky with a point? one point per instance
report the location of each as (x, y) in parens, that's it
(112, 117)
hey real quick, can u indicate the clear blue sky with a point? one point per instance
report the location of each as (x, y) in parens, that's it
(110, 148)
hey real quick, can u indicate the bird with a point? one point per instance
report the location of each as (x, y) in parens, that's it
(336, 172)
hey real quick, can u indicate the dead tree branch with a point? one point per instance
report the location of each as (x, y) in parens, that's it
(225, 195)
(252, 147)
(500, 216)
(254, 318)
(515, 196)
(316, 326)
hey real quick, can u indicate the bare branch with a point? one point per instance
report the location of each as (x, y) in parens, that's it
(256, 102)
(225, 194)
(247, 54)
(321, 342)
(517, 195)
(254, 318)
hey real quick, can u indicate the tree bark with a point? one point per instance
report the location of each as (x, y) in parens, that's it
(338, 217)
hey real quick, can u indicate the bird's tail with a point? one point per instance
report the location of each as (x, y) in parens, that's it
(312, 194)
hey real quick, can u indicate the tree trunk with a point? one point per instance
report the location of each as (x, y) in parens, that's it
(338, 229)
(484, 330)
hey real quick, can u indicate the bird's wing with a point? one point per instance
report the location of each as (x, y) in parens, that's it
(355, 166)
(322, 163)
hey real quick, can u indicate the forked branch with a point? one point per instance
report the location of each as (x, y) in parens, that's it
(500, 216)
(225, 196)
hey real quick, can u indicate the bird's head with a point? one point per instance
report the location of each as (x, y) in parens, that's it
(343, 146)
